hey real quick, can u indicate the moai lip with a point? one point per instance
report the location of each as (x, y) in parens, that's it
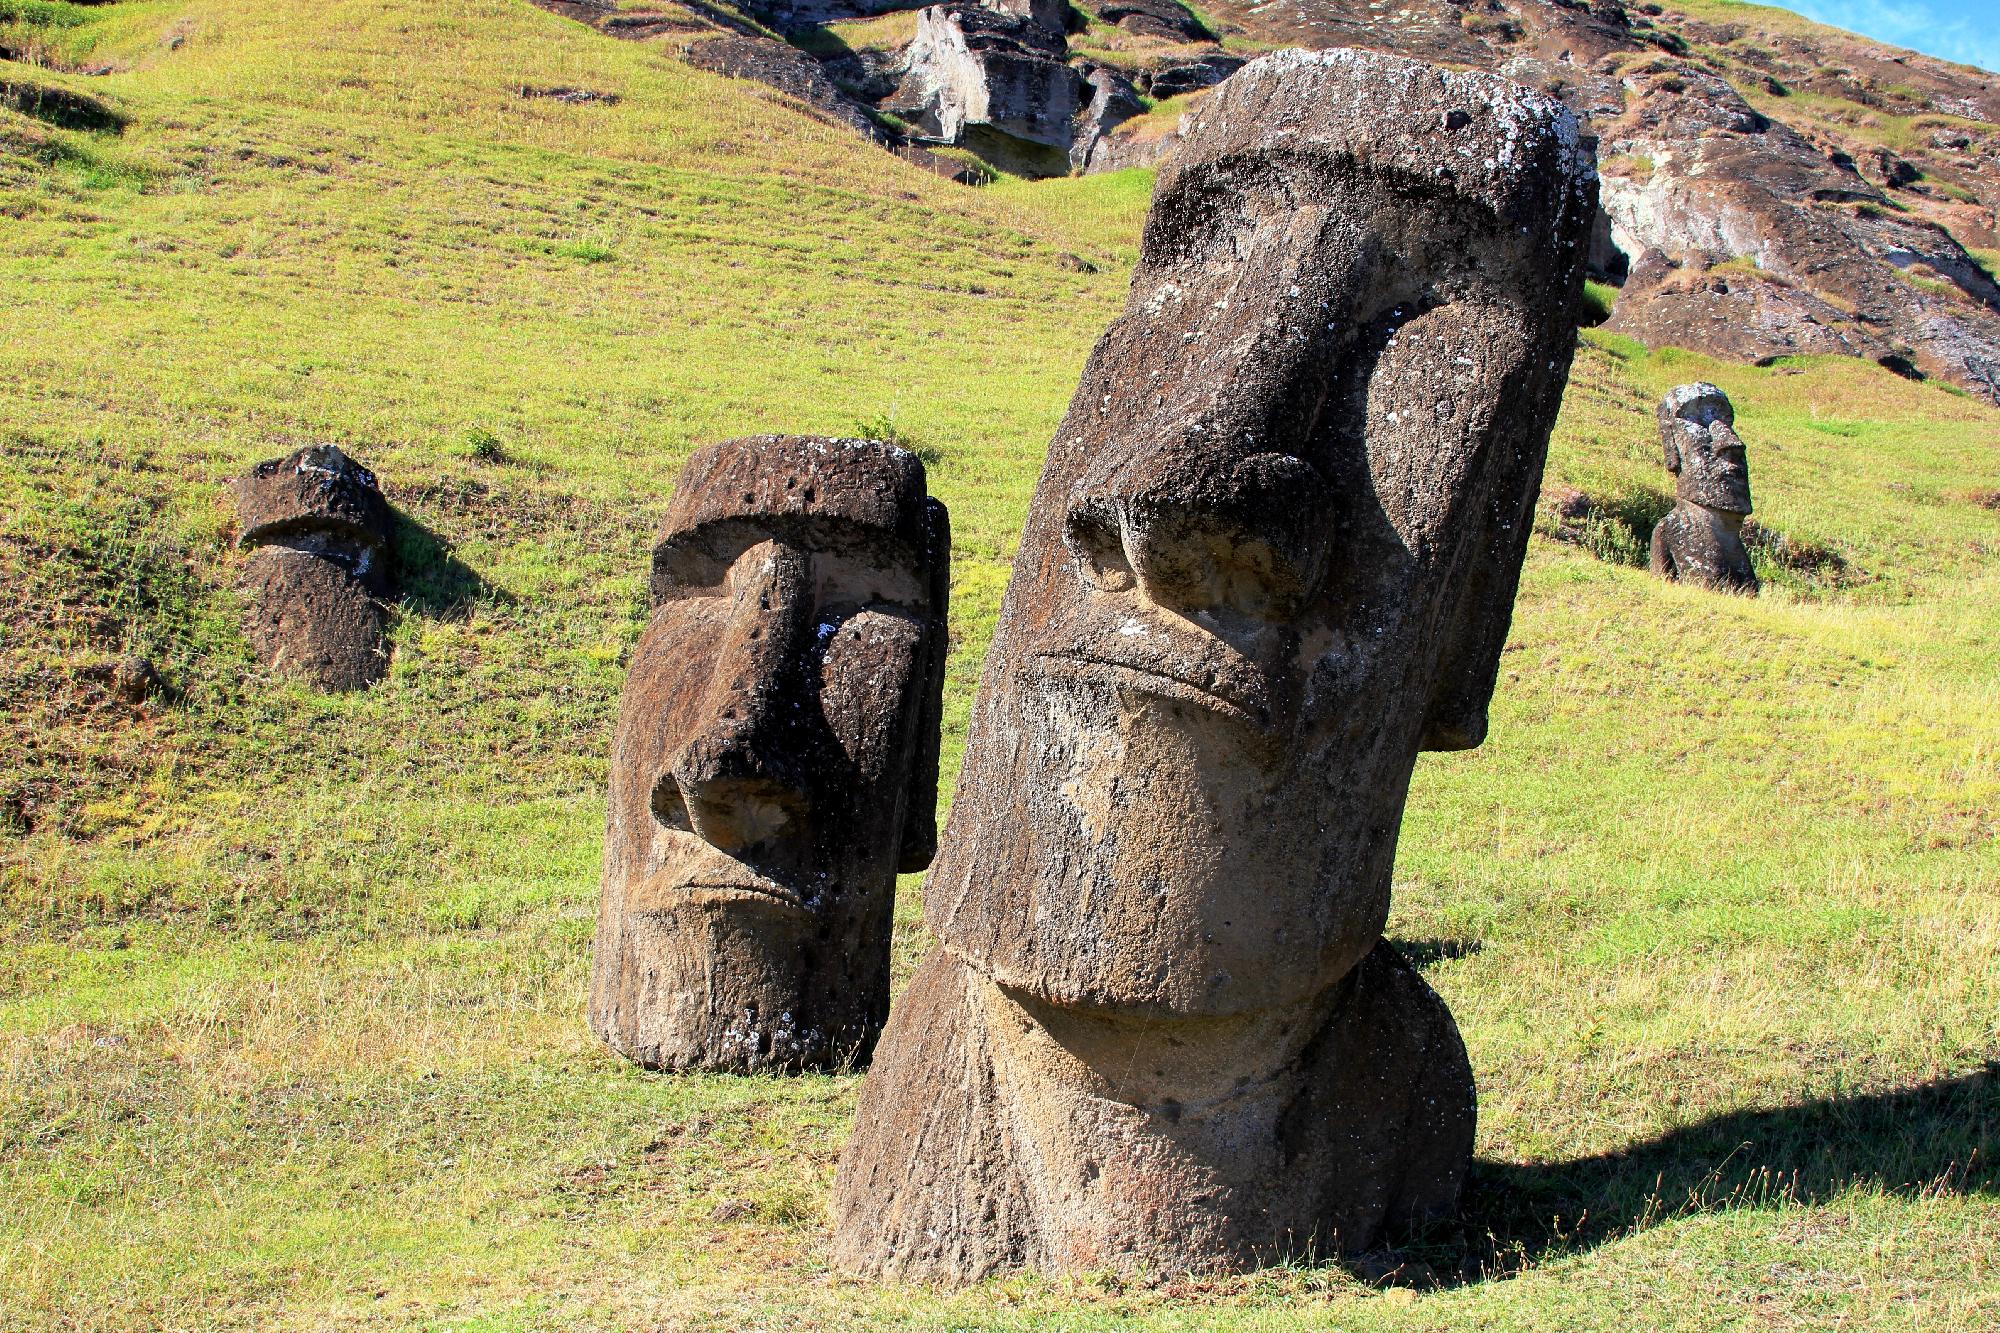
(1701, 540)
(318, 530)
(1272, 556)
(776, 758)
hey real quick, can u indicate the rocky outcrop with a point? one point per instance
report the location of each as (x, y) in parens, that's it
(975, 74)
(1741, 219)
(1754, 243)
(711, 38)
(1743, 233)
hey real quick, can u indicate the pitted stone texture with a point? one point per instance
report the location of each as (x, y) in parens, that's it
(1701, 541)
(1273, 555)
(319, 530)
(776, 757)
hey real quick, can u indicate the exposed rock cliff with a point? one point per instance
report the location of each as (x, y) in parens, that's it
(1771, 186)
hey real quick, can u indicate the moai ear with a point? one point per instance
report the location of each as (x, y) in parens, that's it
(1476, 623)
(1670, 445)
(920, 809)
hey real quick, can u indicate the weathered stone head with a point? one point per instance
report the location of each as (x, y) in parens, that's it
(776, 758)
(1701, 541)
(1273, 556)
(1698, 436)
(319, 532)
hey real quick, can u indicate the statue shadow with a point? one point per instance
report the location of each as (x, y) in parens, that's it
(1923, 1142)
(1424, 954)
(430, 580)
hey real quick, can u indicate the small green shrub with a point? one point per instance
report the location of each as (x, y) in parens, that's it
(590, 252)
(482, 444)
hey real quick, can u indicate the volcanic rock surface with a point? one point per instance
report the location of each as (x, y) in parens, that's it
(1272, 556)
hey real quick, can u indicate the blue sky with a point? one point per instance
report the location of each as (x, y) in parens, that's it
(1964, 30)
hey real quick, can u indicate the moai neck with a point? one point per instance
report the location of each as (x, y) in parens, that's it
(1122, 1116)
(1721, 521)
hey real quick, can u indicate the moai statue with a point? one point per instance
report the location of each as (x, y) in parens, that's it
(318, 531)
(776, 758)
(1272, 556)
(1701, 541)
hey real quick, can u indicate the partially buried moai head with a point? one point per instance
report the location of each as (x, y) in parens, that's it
(1698, 437)
(319, 531)
(776, 757)
(1275, 547)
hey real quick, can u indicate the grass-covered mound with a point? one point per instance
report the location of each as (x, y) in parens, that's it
(291, 986)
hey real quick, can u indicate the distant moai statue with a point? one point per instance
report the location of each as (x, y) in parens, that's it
(1272, 556)
(1701, 541)
(318, 530)
(776, 758)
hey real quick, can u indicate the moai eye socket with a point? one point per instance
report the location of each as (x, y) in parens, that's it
(669, 806)
(1096, 541)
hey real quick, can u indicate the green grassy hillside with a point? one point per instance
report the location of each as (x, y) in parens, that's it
(291, 987)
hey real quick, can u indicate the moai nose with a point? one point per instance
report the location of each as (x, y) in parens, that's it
(738, 782)
(1251, 544)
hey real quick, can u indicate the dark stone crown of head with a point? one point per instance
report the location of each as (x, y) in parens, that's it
(1700, 402)
(315, 490)
(1519, 152)
(832, 491)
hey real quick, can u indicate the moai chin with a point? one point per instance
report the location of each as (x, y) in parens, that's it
(318, 531)
(776, 758)
(1272, 556)
(1701, 541)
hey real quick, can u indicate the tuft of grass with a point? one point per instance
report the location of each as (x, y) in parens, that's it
(589, 251)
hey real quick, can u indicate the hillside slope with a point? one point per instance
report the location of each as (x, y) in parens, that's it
(1772, 187)
(291, 986)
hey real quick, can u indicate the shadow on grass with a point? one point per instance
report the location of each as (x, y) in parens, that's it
(1423, 954)
(433, 582)
(1939, 1139)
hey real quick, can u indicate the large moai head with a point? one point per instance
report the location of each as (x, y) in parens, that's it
(1274, 551)
(319, 531)
(776, 757)
(1698, 437)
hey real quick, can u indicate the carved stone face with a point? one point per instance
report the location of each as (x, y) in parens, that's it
(1272, 556)
(318, 530)
(776, 757)
(1698, 435)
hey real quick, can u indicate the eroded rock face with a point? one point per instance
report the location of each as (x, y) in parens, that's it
(1701, 541)
(776, 758)
(1112, 101)
(318, 531)
(973, 71)
(1272, 556)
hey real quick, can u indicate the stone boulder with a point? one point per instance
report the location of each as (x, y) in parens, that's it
(1112, 102)
(1176, 77)
(1162, 19)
